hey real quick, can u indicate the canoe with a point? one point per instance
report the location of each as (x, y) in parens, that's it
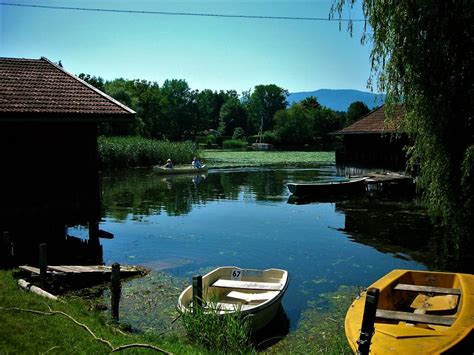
(179, 170)
(327, 188)
(418, 312)
(257, 293)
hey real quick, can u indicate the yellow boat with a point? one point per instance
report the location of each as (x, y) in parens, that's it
(418, 312)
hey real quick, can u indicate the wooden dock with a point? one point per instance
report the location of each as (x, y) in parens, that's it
(374, 178)
(73, 270)
(389, 182)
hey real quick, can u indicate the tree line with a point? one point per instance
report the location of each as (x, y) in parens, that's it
(175, 112)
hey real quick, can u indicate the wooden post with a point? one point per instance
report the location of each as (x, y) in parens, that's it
(197, 293)
(115, 291)
(368, 320)
(43, 264)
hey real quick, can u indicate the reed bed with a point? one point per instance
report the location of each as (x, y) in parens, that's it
(127, 152)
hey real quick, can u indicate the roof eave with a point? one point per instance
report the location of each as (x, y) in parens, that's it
(31, 117)
(364, 132)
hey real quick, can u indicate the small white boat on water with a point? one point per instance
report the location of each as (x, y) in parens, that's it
(158, 169)
(257, 293)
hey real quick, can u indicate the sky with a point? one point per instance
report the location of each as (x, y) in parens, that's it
(215, 53)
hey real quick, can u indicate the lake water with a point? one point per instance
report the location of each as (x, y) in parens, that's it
(186, 225)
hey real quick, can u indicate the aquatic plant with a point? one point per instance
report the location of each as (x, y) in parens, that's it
(226, 333)
(227, 159)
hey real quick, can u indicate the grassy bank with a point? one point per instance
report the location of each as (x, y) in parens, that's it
(126, 152)
(230, 159)
(30, 324)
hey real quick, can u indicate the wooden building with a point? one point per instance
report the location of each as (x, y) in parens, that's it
(373, 142)
(48, 150)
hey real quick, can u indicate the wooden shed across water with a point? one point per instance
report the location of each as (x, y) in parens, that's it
(374, 142)
(48, 149)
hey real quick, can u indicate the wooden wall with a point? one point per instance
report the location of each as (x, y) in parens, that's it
(373, 150)
(49, 179)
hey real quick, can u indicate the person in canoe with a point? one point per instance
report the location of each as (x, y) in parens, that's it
(196, 163)
(168, 165)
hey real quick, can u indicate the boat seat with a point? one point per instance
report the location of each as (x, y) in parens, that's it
(439, 303)
(414, 317)
(427, 289)
(248, 285)
(250, 297)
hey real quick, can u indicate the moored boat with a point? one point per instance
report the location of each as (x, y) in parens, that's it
(327, 188)
(158, 169)
(418, 312)
(228, 289)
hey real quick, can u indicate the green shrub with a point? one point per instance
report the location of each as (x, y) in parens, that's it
(238, 133)
(227, 333)
(269, 137)
(210, 140)
(124, 152)
(234, 144)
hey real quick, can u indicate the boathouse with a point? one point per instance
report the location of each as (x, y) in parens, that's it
(48, 151)
(373, 142)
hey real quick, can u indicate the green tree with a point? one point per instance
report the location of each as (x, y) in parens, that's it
(355, 111)
(178, 103)
(209, 104)
(294, 126)
(144, 98)
(310, 103)
(233, 115)
(325, 121)
(262, 105)
(238, 133)
(422, 57)
(95, 81)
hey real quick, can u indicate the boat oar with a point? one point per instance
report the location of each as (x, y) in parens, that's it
(368, 320)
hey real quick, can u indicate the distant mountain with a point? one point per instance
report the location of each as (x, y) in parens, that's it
(339, 100)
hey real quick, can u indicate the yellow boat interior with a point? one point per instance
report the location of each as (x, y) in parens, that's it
(417, 312)
(421, 293)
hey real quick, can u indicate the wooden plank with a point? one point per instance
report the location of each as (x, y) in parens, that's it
(251, 297)
(428, 289)
(33, 270)
(85, 269)
(416, 318)
(248, 285)
(62, 269)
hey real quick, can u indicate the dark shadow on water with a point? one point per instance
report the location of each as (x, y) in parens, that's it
(272, 333)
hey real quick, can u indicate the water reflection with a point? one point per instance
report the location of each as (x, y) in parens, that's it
(242, 218)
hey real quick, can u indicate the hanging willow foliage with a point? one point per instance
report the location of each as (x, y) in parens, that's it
(422, 57)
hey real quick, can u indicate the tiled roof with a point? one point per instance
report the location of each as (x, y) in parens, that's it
(38, 87)
(374, 122)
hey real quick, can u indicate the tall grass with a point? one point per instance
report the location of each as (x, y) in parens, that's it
(227, 333)
(125, 152)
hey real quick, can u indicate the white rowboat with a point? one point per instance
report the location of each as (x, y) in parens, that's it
(257, 293)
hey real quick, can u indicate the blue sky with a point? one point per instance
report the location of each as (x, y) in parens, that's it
(208, 52)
